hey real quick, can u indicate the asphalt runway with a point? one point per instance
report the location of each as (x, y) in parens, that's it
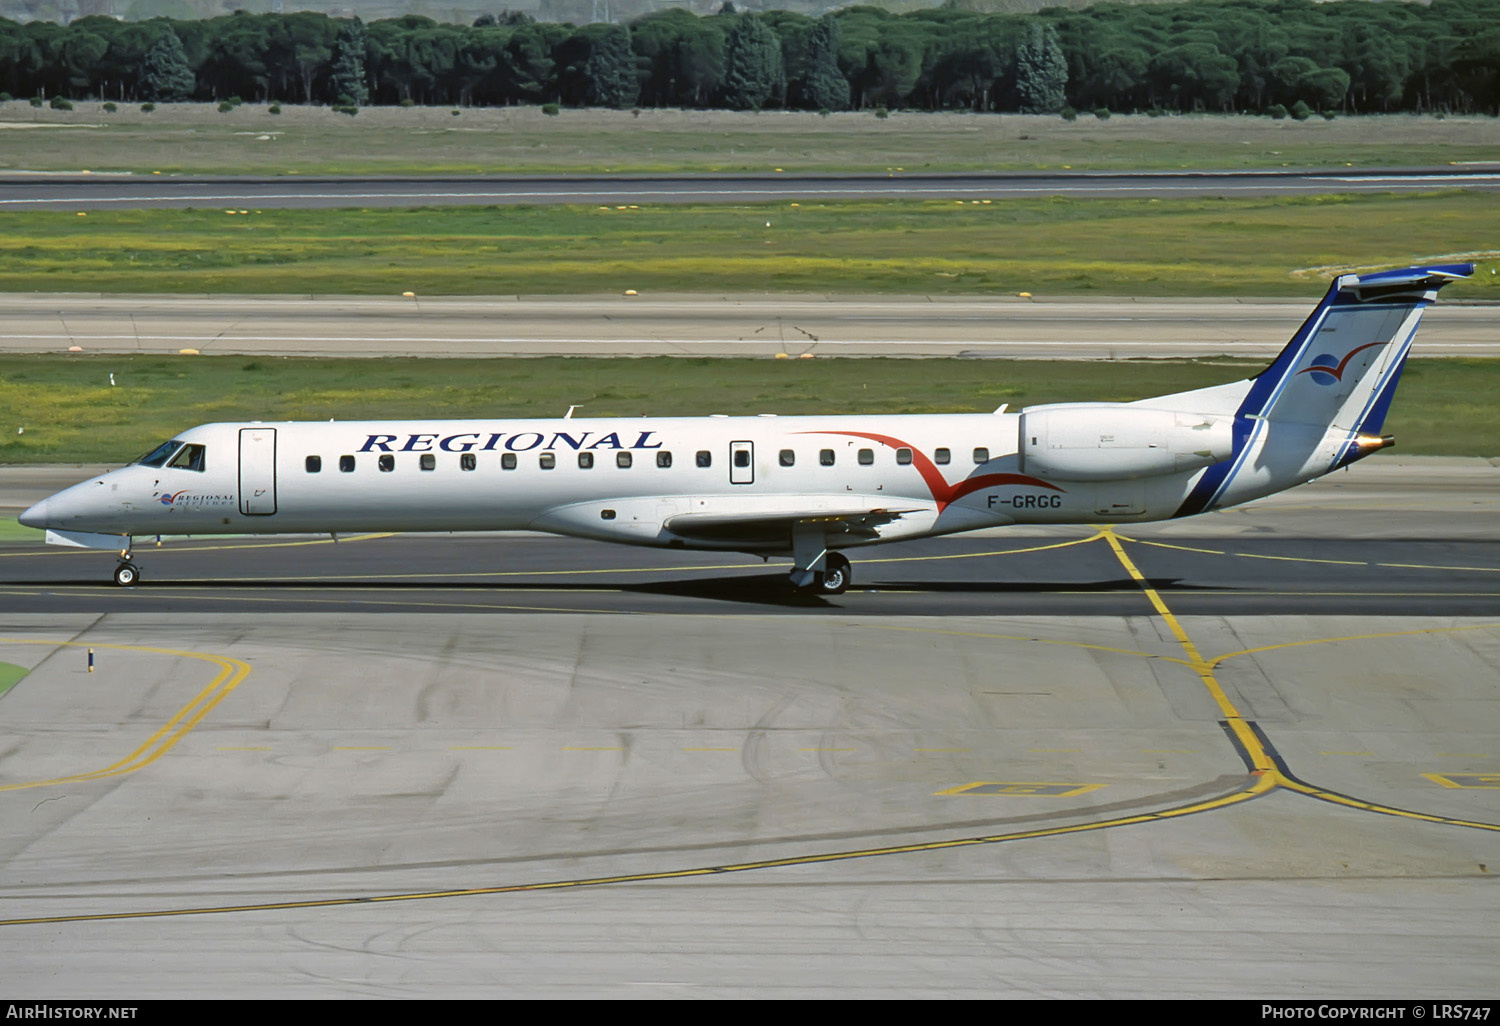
(114, 191)
(1006, 327)
(1254, 754)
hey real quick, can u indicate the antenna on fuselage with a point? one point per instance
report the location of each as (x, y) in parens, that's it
(569, 414)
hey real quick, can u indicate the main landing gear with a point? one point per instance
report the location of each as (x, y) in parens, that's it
(836, 575)
(814, 568)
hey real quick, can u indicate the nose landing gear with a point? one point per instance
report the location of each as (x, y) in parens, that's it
(126, 572)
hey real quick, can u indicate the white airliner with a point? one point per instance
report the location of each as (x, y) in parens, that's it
(798, 487)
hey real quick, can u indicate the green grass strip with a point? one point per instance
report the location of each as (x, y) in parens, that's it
(71, 414)
(10, 676)
(1048, 246)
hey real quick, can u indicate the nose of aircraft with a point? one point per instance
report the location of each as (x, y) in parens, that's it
(36, 516)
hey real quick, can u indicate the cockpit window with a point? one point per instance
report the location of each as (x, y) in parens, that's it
(158, 456)
(190, 458)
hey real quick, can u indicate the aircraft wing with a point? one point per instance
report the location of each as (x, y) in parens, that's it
(773, 527)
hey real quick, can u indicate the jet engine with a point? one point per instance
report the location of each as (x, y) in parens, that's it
(1105, 441)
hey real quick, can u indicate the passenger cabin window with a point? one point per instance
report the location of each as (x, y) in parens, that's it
(386, 463)
(585, 461)
(429, 461)
(622, 459)
(903, 457)
(788, 458)
(705, 458)
(189, 457)
(866, 457)
(981, 455)
(825, 457)
(507, 461)
(942, 457)
(742, 457)
(468, 461)
(547, 460)
(346, 464)
(158, 457)
(314, 464)
(664, 460)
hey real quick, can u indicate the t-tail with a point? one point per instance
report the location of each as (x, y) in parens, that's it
(1322, 403)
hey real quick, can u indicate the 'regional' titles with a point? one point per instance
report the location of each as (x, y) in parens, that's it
(521, 441)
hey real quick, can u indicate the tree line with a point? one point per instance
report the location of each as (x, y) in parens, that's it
(1351, 56)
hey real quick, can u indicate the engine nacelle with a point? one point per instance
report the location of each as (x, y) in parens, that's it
(1104, 441)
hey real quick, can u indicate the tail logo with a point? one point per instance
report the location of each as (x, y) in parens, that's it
(1325, 371)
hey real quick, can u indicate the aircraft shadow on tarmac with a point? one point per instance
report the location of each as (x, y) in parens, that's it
(759, 589)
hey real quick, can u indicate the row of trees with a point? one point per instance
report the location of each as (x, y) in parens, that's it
(1213, 55)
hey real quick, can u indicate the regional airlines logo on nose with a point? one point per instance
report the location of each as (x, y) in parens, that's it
(1327, 369)
(167, 500)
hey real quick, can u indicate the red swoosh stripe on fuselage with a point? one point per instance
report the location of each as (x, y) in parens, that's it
(943, 493)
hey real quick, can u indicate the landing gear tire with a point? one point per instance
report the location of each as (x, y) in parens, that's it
(127, 574)
(836, 577)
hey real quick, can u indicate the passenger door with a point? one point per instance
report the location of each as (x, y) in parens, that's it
(257, 471)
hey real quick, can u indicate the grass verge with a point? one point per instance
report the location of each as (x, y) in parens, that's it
(10, 673)
(199, 139)
(1056, 246)
(62, 409)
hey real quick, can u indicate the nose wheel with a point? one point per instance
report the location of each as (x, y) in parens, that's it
(127, 573)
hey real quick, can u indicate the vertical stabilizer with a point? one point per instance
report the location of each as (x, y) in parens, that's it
(1322, 402)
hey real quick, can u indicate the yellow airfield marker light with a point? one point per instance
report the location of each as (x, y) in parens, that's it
(187, 352)
(409, 295)
(1024, 295)
(631, 292)
(796, 204)
(82, 214)
(783, 356)
(156, 172)
(805, 356)
(75, 349)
